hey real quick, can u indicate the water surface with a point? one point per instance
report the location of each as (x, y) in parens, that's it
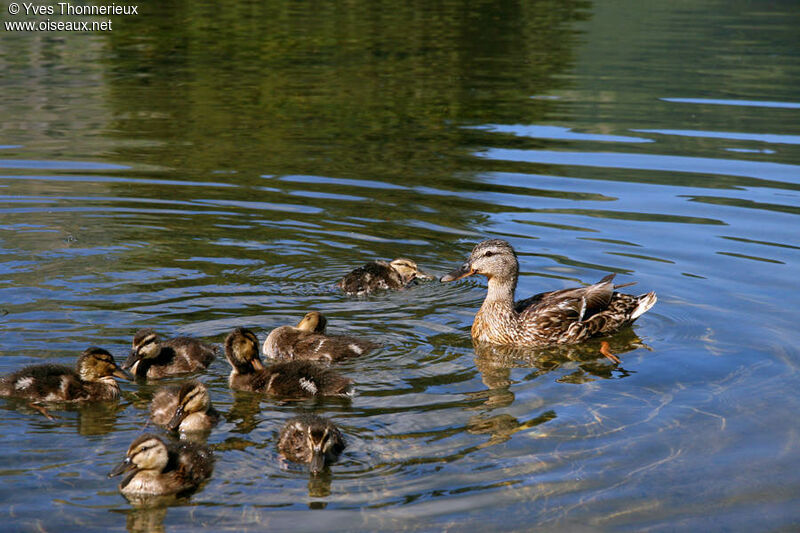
(200, 168)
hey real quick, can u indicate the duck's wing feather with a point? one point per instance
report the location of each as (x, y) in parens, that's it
(576, 304)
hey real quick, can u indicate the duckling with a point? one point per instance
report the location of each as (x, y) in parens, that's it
(565, 316)
(184, 408)
(381, 275)
(292, 379)
(311, 439)
(153, 359)
(160, 469)
(308, 341)
(92, 379)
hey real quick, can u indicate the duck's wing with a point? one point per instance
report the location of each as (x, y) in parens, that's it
(576, 304)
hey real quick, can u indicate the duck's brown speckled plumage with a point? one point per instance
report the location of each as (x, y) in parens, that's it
(92, 379)
(309, 341)
(185, 408)
(559, 317)
(311, 439)
(380, 275)
(153, 358)
(158, 468)
(290, 380)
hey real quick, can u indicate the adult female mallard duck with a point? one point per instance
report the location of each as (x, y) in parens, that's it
(153, 358)
(308, 341)
(311, 439)
(184, 408)
(559, 317)
(381, 275)
(292, 379)
(158, 468)
(92, 379)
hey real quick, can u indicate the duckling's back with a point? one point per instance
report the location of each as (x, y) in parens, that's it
(377, 275)
(46, 382)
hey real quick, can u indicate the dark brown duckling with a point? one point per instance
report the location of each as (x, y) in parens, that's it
(291, 380)
(92, 379)
(152, 358)
(308, 341)
(184, 408)
(380, 275)
(311, 439)
(158, 468)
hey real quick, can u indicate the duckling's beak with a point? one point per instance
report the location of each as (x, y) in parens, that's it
(461, 272)
(132, 358)
(119, 373)
(317, 462)
(176, 419)
(123, 467)
(423, 275)
(257, 364)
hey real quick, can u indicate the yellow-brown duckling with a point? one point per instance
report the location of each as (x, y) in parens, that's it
(380, 275)
(153, 358)
(184, 408)
(291, 379)
(308, 341)
(559, 317)
(311, 439)
(157, 468)
(92, 379)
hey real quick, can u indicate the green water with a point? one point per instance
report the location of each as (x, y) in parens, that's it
(202, 167)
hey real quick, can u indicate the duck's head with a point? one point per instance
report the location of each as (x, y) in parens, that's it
(320, 442)
(192, 398)
(241, 350)
(146, 345)
(491, 258)
(96, 363)
(313, 322)
(147, 452)
(408, 270)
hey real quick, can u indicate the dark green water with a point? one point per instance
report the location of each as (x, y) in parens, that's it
(202, 167)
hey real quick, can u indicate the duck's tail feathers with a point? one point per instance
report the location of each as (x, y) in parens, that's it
(646, 301)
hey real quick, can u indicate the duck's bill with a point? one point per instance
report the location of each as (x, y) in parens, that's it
(119, 373)
(175, 422)
(121, 468)
(132, 358)
(317, 463)
(257, 364)
(463, 271)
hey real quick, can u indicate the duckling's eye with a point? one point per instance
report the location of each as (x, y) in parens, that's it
(488, 253)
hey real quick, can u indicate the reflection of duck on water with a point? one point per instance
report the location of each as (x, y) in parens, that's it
(566, 316)
(495, 362)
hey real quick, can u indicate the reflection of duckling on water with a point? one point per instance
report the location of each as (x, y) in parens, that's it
(311, 439)
(379, 275)
(154, 359)
(292, 379)
(159, 469)
(92, 380)
(308, 340)
(559, 317)
(184, 408)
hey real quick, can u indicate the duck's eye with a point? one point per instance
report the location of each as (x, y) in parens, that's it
(488, 253)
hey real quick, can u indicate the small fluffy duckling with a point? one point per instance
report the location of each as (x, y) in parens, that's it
(184, 408)
(92, 379)
(308, 341)
(292, 379)
(381, 275)
(152, 358)
(311, 439)
(159, 469)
